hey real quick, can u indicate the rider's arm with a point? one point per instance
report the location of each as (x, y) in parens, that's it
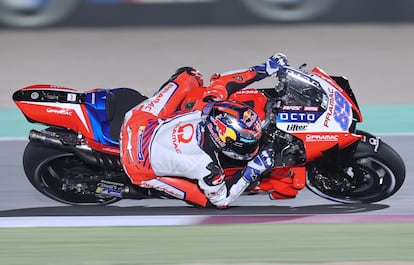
(224, 84)
(168, 99)
(220, 192)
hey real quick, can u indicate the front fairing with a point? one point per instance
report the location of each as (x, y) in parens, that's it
(341, 84)
(314, 102)
(317, 111)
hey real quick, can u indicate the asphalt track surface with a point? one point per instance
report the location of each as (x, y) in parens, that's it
(19, 198)
(376, 58)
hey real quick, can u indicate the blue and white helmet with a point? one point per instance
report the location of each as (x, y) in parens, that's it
(234, 128)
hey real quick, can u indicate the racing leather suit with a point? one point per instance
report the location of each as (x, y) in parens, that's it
(160, 142)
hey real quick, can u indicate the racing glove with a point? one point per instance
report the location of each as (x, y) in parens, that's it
(263, 161)
(273, 65)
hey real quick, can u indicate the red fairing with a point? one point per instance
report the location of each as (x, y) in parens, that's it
(112, 150)
(317, 142)
(67, 115)
(322, 74)
(58, 114)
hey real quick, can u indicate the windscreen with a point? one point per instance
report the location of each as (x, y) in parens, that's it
(303, 91)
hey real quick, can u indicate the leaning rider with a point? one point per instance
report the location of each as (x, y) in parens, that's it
(178, 152)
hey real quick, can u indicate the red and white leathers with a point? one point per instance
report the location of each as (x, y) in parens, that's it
(162, 146)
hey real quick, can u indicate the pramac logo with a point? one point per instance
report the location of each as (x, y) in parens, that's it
(59, 111)
(182, 134)
(185, 133)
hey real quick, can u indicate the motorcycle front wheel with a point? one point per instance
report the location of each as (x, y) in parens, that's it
(375, 174)
(62, 176)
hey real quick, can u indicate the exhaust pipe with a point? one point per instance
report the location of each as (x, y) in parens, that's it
(67, 143)
(45, 139)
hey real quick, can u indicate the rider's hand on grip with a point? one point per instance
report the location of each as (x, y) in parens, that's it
(275, 63)
(263, 161)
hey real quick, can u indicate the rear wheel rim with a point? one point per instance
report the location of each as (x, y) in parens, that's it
(65, 170)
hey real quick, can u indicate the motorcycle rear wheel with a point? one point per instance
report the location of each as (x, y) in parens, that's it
(376, 175)
(62, 176)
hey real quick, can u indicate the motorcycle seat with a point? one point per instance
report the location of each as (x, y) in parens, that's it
(118, 102)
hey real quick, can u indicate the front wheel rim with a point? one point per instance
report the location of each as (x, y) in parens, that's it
(376, 182)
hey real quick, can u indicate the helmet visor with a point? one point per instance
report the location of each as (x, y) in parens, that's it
(241, 151)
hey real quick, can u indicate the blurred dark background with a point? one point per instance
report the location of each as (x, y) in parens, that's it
(107, 13)
(233, 12)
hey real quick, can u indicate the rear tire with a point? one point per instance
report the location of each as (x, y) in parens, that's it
(62, 176)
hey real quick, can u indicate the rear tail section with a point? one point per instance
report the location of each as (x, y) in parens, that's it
(54, 106)
(95, 115)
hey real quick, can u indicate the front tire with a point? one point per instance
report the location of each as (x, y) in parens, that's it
(376, 172)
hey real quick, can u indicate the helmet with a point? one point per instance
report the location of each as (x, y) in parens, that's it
(234, 128)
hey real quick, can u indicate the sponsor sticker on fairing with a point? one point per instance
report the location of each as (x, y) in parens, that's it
(59, 111)
(298, 116)
(310, 108)
(71, 97)
(292, 107)
(339, 110)
(321, 138)
(296, 127)
(110, 188)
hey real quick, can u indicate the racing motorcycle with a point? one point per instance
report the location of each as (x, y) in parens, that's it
(309, 118)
